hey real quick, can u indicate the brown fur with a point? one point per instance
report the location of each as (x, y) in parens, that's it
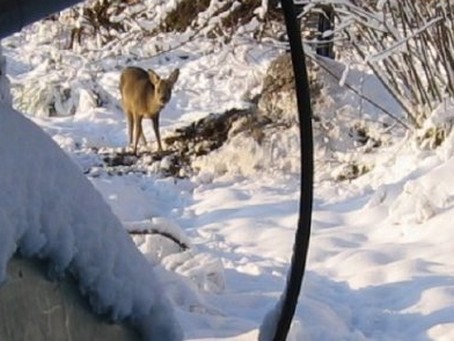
(144, 94)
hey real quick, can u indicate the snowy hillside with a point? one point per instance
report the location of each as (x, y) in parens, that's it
(379, 264)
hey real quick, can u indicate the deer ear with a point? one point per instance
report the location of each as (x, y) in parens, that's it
(154, 77)
(173, 76)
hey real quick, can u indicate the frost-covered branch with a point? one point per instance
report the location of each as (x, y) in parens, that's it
(409, 45)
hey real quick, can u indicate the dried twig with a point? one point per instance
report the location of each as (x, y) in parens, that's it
(183, 246)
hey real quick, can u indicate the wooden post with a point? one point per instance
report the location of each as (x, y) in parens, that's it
(326, 23)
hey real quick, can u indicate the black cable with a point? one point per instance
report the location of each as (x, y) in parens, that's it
(301, 243)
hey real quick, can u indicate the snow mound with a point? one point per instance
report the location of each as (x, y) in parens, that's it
(244, 155)
(50, 210)
(161, 240)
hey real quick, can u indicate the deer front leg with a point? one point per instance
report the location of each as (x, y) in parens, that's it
(156, 131)
(137, 132)
(130, 118)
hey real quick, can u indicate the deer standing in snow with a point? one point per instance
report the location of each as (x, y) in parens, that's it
(144, 94)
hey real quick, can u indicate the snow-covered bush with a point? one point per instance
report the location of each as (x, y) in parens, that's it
(406, 44)
(437, 127)
(53, 97)
(45, 99)
(99, 23)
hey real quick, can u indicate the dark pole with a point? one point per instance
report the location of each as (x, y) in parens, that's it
(301, 243)
(325, 23)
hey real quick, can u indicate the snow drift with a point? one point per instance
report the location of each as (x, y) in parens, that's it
(49, 210)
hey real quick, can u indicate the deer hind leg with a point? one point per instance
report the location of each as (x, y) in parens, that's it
(156, 131)
(142, 136)
(137, 132)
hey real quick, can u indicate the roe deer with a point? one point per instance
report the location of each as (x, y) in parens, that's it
(144, 94)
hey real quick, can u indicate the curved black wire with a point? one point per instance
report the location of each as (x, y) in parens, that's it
(301, 243)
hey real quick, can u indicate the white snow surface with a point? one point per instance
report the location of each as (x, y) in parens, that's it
(379, 266)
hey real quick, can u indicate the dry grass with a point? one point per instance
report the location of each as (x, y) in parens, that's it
(183, 15)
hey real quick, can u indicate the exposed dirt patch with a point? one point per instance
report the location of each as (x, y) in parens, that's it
(182, 147)
(278, 98)
(351, 171)
(242, 14)
(233, 14)
(183, 15)
(205, 135)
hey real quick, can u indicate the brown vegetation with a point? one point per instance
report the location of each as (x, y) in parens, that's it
(183, 15)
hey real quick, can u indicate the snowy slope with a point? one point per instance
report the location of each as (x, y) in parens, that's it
(49, 210)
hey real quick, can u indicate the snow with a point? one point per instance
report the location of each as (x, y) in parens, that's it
(379, 266)
(51, 211)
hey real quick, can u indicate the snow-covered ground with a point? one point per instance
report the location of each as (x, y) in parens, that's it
(379, 266)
